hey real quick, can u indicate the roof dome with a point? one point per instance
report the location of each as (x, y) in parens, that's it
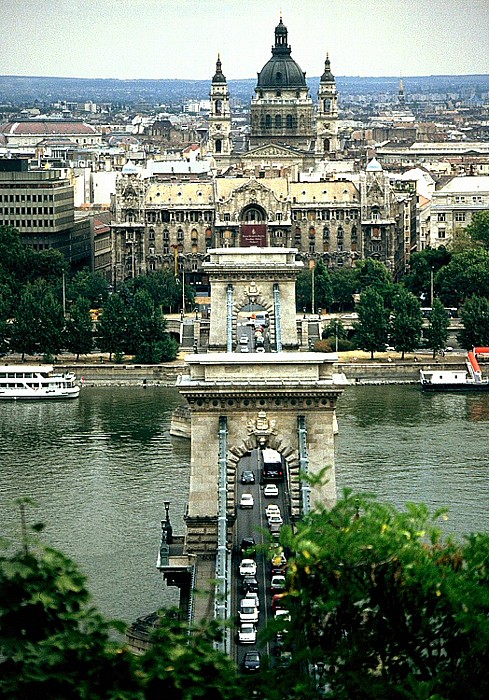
(219, 76)
(281, 71)
(374, 166)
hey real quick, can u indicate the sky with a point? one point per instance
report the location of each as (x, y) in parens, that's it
(156, 39)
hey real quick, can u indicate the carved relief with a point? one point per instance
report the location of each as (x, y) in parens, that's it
(262, 427)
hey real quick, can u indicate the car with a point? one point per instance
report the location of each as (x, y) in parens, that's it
(275, 519)
(449, 348)
(282, 614)
(279, 560)
(270, 491)
(248, 547)
(248, 612)
(246, 500)
(390, 348)
(251, 662)
(260, 348)
(247, 477)
(247, 567)
(244, 348)
(247, 633)
(277, 584)
(272, 508)
(243, 339)
(250, 584)
(254, 598)
(279, 602)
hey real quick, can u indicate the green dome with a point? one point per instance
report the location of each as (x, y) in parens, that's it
(281, 71)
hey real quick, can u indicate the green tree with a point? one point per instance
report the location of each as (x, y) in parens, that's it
(303, 291)
(344, 284)
(437, 331)
(51, 320)
(165, 290)
(112, 326)
(475, 320)
(390, 607)
(78, 330)
(55, 645)
(422, 265)
(466, 274)
(48, 265)
(147, 338)
(90, 285)
(478, 229)
(12, 258)
(373, 273)
(371, 331)
(6, 310)
(406, 324)
(323, 288)
(26, 328)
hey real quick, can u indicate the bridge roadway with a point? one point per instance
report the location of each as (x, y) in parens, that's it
(252, 522)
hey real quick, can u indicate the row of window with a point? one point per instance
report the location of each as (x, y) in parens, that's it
(13, 211)
(179, 217)
(34, 223)
(26, 197)
(326, 215)
(459, 216)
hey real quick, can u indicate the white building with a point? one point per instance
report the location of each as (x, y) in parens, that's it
(453, 206)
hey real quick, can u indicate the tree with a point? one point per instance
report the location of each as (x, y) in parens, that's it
(344, 284)
(26, 326)
(303, 291)
(373, 273)
(55, 645)
(373, 326)
(90, 285)
(465, 275)
(78, 330)
(478, 229)
(406, 324)
(422, 265)
(475, 319)
(112, 327)
(391, 608)
(6, 309)
(323, 288)
(51, 320)
(437, 331)
(147, 338)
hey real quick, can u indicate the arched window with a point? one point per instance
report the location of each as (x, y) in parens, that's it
(326, 143)
(340, 234)
(219, 107)
(218, 146)
(327, 105)
(278, 78)
(278, 121)
(166, 235)
(288, 121)
(326, 233)
(268, 121)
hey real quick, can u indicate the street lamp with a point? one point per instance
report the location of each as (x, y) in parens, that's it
(336, 333)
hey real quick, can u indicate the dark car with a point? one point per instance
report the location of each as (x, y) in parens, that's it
(250, 584)
(251, 662)
(247, 477)
(248, 548)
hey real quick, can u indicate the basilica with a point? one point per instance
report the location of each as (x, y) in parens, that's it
(288, 187)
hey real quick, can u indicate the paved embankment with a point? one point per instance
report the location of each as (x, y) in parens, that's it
(357, 371)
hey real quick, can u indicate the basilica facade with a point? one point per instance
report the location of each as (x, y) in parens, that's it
(262, 197)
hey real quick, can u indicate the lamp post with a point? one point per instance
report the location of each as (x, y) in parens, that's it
(431, 287)
(336, 333)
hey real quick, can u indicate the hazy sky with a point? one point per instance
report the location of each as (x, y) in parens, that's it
(181, 38)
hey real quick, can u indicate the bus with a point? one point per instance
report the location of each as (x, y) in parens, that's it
(273, 466)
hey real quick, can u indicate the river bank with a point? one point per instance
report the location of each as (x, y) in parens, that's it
(385, 368)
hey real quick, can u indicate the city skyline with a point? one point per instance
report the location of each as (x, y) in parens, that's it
(180, 39)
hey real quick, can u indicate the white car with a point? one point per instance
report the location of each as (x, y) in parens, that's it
(244, 348)
(248, 612)
(272, 509)
(243, 339)
(260, 348)
(275, 519)
(270, 491)
(246, 501)
(253, 597)
(247, 633)
(247, 567)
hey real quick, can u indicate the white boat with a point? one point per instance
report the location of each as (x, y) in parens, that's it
(456, 380)
(36, 382)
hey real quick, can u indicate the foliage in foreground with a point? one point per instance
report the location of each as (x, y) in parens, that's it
(391, 608)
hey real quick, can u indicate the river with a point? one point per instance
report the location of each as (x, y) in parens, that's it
(100, 467)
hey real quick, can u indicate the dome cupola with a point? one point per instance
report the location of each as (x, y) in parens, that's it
(219, 76)
(281, 71)
(327, 76)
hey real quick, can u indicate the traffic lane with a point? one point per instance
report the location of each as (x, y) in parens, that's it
(250, 523)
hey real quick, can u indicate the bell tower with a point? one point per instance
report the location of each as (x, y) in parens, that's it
(220, 116)
(327, 114)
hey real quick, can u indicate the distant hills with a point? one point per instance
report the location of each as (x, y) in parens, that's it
(31, 90)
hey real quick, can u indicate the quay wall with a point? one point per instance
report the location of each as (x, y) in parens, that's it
(361, 372)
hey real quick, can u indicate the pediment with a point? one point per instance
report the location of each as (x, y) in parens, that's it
(270, 151)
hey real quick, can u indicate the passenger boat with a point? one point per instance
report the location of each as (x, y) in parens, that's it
(457, 380)
(36, 382)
